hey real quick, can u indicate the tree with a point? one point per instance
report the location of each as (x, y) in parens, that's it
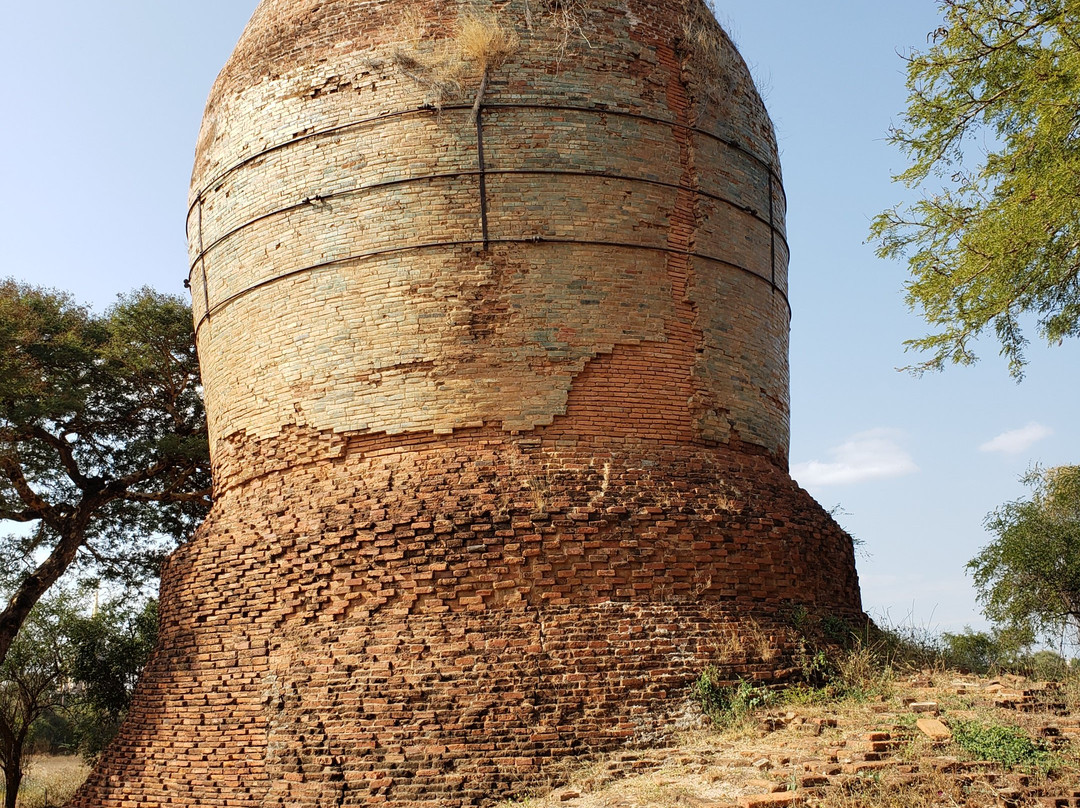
(108, 651)
(1028, 578)
(103, 447)
(1003, 648)
(994, 115)
(31, 678)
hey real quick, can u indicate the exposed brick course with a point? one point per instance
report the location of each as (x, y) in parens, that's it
(335, 209)
(441, 620)
(479, 506)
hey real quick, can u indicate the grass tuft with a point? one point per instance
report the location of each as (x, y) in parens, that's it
(480, 38)
(729, 705)
(444, 65)
(711, 51)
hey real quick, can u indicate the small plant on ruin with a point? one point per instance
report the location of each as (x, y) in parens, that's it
(478, 44)
(710, 50)
(487, 44)
(752, 640)
(863, 674)
(483, 40)
(729, 705)
(429, 61)
(569, 20)
(1009, 746)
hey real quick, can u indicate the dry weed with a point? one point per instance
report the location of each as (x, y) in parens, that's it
(932, 789)
(429, 61)
(480, 38)
(861, 671)
(569, 21)
(762, 643)
(711, 51)
(727, 645)
(478, 44)
(749, 641)
(535, 486)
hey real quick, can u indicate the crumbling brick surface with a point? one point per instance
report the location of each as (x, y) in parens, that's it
(479, 506)
(441, 620)
(347, 218)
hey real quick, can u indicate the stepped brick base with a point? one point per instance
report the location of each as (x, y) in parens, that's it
(438, 620)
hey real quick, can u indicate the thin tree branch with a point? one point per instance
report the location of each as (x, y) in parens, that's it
(64, 450)
(18, 516)
(30, 498)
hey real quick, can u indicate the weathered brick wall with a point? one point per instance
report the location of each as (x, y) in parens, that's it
(438, 621)
(480, 507)
(334, 210)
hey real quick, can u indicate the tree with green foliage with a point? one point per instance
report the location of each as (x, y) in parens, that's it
(103, 443)
(992, 131)
(1002, 648)
(108, 651)
(1028, 578)
(31, 683)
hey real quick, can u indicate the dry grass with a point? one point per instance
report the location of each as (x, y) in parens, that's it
(792, 742)
(481, 39)
(749, 641)
(428, 60)
(712, 53)
(444, 65)
(51, 781)
(727, 645)
(933, 789)
(861, 671)
(447, 62)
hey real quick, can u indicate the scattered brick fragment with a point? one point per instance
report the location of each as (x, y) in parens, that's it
(934, 729)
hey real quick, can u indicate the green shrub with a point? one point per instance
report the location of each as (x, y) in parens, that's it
(972, 651)
(1048, 665)
(1009, 746)
(838, 631)
(727, 705)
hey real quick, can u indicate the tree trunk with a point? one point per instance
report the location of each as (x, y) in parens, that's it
(13, 778)
(38, 582)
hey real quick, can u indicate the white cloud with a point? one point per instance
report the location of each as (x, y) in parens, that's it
(870, 455)
(1016, 441)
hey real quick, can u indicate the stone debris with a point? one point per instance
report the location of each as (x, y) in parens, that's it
(800, 769)
(934, 729)
(1043, 698)
(778, 800)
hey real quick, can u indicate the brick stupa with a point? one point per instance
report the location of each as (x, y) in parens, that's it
(498, 401)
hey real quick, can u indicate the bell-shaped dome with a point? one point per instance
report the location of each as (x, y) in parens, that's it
(412, 217)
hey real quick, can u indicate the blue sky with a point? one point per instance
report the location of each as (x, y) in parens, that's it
(102, 107)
